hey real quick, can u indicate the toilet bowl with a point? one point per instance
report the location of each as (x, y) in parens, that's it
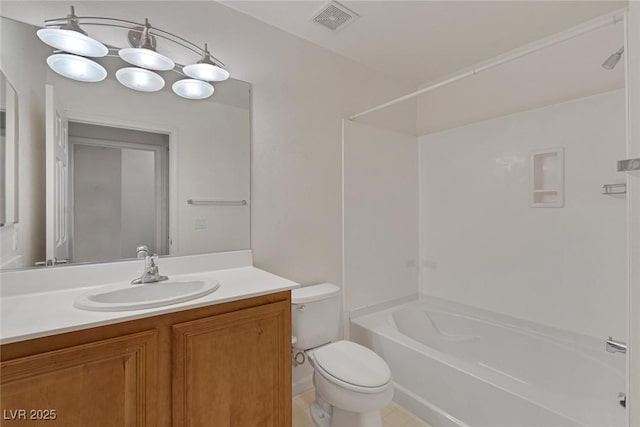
(352, 382)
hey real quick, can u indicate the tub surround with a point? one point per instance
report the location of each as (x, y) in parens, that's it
(380, 215)
(39, 302)
(520, 261)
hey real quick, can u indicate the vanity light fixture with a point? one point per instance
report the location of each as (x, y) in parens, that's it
(206, 69)
(140, 79)
(70, 38)
(146, 58)
(144, 54)
(76, 67)
(74, 45)
(193, 89)
(72, 42)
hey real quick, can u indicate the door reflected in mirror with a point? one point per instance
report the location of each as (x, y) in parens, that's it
(8, 153)
(119, 192)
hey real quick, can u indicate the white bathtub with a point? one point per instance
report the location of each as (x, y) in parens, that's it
(458, 366)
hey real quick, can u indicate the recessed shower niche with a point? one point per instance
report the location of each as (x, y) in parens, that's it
(547, 178)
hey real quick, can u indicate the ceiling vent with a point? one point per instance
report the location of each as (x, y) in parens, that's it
(334, 16)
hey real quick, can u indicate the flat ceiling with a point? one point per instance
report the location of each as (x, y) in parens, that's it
(421, 41)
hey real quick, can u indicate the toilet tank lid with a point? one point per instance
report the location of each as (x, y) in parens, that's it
(312, 293)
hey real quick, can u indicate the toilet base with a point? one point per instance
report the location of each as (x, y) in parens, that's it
(338, 405)
(342, 418)
(337, 417)
(320, 416)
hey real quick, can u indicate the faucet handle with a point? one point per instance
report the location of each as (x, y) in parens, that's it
(142, 251)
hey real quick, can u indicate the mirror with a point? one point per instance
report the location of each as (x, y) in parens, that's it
(105, 169)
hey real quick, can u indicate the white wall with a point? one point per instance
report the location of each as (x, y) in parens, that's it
(480, 242)
(21, 70)
(380, 215)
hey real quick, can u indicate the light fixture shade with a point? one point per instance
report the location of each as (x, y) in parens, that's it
(76, 67)
(140, 79)
(204, 71)
(192, 89)
(146, 58)
(72, 42)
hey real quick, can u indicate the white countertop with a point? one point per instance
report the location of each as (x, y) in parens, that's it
(39, 314)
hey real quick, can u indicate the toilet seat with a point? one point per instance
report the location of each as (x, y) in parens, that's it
(353, 367)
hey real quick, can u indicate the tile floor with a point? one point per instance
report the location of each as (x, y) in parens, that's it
(393, 415)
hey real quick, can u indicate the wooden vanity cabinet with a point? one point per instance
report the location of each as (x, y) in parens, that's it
(226, 365)
(103, 383)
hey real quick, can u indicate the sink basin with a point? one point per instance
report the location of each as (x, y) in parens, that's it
(135, 297)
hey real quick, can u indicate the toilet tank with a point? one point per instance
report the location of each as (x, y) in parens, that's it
(315, 315)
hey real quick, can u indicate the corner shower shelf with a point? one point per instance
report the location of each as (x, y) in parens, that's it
(547, 178)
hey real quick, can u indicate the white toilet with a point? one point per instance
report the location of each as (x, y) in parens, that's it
(352, 382)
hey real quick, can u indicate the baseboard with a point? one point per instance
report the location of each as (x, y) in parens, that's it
(302, 385)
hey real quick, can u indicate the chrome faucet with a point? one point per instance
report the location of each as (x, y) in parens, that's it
(615, 346)
(151, 273)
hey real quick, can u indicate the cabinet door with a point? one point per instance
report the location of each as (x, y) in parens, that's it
(234, 370)
(103, 383)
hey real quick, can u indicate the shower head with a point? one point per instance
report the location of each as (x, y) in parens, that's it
(612, 61)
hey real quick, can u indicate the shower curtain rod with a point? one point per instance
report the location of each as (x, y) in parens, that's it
(610, 19)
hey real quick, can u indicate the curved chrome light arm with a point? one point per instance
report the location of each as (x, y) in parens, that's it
(117, 23)
(60, 21)
(197, 51)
